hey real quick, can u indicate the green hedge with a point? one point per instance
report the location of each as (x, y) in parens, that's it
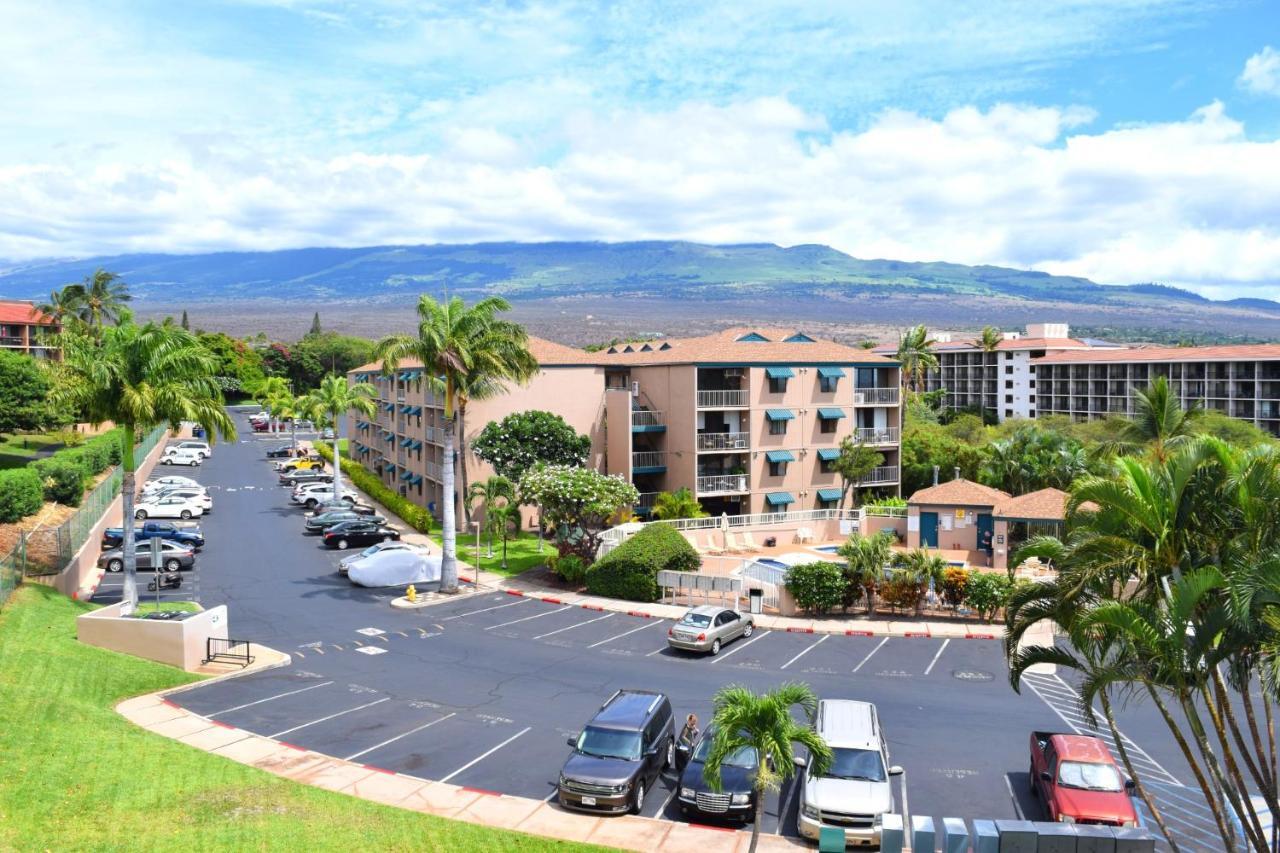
(818, 586)
(63, 480)
(21, 494)
(630, 571)
(368, 482)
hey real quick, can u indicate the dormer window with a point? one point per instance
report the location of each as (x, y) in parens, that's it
(753, 338)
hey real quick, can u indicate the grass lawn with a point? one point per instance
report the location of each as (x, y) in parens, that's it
(145, 606)
(522, 553)
(18, 450)
(76, 775)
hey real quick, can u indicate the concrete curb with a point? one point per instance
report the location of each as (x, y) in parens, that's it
(156, 714)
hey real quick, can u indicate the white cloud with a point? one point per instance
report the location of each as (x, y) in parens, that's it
(1262, 72)
(1192, 202)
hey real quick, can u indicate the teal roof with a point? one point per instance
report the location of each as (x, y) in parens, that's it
(828, 414)
(828, 454)
(779, 414)
(779, 498)
(831, 372)
(780, 456)
(779, 372)
(828, 494)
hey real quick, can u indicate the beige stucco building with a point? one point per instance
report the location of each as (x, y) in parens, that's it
(747, 419)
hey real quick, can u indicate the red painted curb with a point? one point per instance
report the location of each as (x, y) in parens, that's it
(709, 826)
(465, 579)
(916, 634)
(591, 607)
(549, 600)
(378, 769)
(220, 723)
(979, 636)
(514, 592)
(799, 630)
(859, 634)
(638, 613)
(291, 745)
(484, 791)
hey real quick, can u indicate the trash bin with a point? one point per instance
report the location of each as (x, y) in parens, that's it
(755, 598)
(197, 431)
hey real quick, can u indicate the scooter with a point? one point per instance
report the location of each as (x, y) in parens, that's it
(167, 580)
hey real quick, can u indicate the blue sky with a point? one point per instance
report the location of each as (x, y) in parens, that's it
(1078, 136)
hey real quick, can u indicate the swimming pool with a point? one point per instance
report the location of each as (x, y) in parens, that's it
(827, 549)
(766, 561)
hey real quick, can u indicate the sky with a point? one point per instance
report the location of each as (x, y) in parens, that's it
(1123, 140)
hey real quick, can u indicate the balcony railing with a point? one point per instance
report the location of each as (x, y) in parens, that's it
(722, 399)
(434, 435)
(889, 435)
(647, 500)
(875, 396)
(722, 483)
(646, 418)
(648, 459)
(433, 471)
(724, 440)
(883, 474)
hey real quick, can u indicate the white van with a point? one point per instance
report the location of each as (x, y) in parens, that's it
(201, 447)
(855, 792)
(181, 457)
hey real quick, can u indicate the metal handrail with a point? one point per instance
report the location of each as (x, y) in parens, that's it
(646, 417)
(648, 459)
(721, 399)
(888, 435)
(876, 396)
(883, 474)
(722, 483)
(724, 440)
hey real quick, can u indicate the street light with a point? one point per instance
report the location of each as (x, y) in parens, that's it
(476, 525)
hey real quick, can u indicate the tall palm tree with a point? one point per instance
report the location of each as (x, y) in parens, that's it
(477, 388)
(268, 392)
(916, 355)
(141, 377)
(678, 504)
(63, 304)
(291, 407)
(332, 400)
(457, 344)
(764, 723)
(989, 340)
(100, 299)
(1159, 423)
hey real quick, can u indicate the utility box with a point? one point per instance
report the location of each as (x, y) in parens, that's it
(955, 836)
(755, 599)
(986, 838)
(923, 839)
(1134, 839)
(1056, 838)
(1017, 836)
(892, 836)
(1091, 838)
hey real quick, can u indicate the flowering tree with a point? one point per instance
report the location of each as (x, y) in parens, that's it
(577, 502)
(521, 440)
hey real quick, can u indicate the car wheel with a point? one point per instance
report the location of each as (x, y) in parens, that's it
(166, 461)
(715, 646)
(115, 566)
(746, 632)
(1031, 780)
(185, 515)
(670, 758)
(140, 514)
(172, 565)
(193, 463)
(342, 544)
(639, 799)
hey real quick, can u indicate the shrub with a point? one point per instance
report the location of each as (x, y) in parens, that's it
(571, 568)
(901, 591)
(987, 592)
(885, 502)
(817, 587)
(21, 494)
(955, 584)
(368, 482)
(630, 571)
(62, 479)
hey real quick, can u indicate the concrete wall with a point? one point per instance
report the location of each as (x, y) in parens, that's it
(179, 643)
(963, 534)
(618, 432)
(873, 524)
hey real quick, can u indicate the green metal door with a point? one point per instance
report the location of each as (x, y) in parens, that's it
(928, 530)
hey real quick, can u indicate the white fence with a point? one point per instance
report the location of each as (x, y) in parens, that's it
(875, 397)
(722, 399)
(724, 440)
(688, 584)
(615, 536)
(716, 483)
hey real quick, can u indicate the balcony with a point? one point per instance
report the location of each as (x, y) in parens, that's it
(888, 435)
(724, 440)
(434, 472)
(434, 435)
(883, 474)
(648, 462)
(721, 484)
(876, 396)
(646, 420)
(644, 506)
(722, 399)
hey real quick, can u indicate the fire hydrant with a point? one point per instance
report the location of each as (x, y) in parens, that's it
(412, 594)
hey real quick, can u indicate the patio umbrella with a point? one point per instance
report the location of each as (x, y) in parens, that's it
(724, 530)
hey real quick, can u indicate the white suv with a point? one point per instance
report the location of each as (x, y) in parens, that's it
(181, 457)
(201, 447)
(855, 792)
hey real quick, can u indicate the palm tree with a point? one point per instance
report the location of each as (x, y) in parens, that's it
(488, 493)
(915, 354)
(141, 377)
(764, 724)
(1159, 422)
(866, 558)
(924, 567)
(989, 340)
(293, 407)
(678, 504)
(63, 304)
(100, 298)
(503, 518)
(470, 388)
(269, 392)
(457, 344)
(332, 400)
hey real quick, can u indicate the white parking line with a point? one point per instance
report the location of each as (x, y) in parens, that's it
(269, 698)
(332, 716)
(356, 755)
(870, 653)
(527, 618)
(571, 627)
(941, 648)
(487, 609)
(662, 809)
(806, 651)
(648, 624)
(480, 758)
(1017, 809)
(741, 647)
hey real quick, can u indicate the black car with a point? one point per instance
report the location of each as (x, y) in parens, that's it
(322, 521)
(348, 534)
(736, 799)
(281, 452)
(619, 755)
(293, 478)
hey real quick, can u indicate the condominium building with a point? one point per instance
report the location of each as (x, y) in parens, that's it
(22, 329)
(749, 420)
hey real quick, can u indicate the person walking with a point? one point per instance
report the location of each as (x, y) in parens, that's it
(689, 734)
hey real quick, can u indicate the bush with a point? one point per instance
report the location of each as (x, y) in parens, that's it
(817, 587)
(62, 479)
(571, 568)
(955, 584)
(630, 571)
(21, 494)
(368, 482)
(987, 592)
(901, 591)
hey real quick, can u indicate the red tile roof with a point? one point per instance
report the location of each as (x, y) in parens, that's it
(1220, 353)
(548, 354)
(1044, 505)
(960, 492)
(23, 312)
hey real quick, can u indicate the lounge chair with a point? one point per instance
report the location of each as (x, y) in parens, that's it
(733, 545)
(693, 540)
(711, 546)
(749, 542)
(804, 534)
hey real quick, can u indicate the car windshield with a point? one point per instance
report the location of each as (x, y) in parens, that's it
(697, 620)
(370, 551)
(864, 765)
(609, 743)
(1092, 777)
(744, 757)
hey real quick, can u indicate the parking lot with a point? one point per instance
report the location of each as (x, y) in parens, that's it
(483, 691)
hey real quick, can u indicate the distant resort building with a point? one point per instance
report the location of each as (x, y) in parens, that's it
(23, 329)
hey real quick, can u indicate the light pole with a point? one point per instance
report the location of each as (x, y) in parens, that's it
(476, 525)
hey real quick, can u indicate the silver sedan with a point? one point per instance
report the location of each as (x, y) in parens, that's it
(706, 628)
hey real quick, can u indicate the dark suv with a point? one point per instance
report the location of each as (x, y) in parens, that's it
(619, 754)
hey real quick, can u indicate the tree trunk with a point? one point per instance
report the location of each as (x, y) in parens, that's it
(462, 455)
(1257, 770)
(449, 533)
(1234, 781)
(1133, 774)
(1224, 792)
(128, 484)
(755, 823)
(1251, 718)
(504, 547)
(337, 469)
(1215, 804)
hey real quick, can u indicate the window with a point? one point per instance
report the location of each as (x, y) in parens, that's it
(1008, 413)
(777, 427)
(1008, 398)
(1008, 383)
(1008, 368)
(1008, 356)
(826, 504)
(828, 384)
(1033, 383)
(826, 466)
(777, 385)
(827, 425)
(777, 469)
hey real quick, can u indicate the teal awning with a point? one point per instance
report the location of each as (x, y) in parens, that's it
(391, 407)
(828, 454)
(779, 372)
(405, 473)
(830, 372)
(406, 441)
(780, 456)
(779, 498)
(779, 414)
(828, 414)
(828, 495)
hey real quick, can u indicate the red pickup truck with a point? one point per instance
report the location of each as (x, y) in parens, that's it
(1078, 781)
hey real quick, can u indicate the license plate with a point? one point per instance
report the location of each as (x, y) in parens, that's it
(588, 801)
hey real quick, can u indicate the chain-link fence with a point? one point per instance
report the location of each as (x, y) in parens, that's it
(47, 550)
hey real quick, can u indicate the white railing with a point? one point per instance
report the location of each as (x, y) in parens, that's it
(888, 435)
(645, 417)
(434, 435)
(722, 483)
(721, 399)
(648, 459)
(724, 440)
(875, 396)
(614, 535)
(433, 471)
(883, 474)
